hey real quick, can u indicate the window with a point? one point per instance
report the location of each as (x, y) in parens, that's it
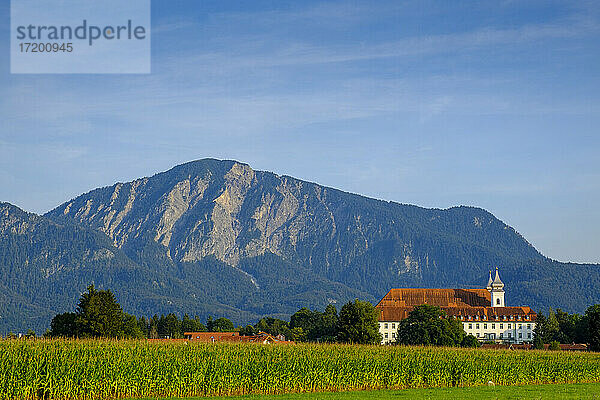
(384, 326)
(509, 325)
(493, 326)
(528, 326)
(497, 301)
(393, 326)
(520, 326)
(520, 335)
(394, 335)
(501, 326)
(470, 326)
(477, 334)
(386, 335)
(500, 335)
(529, 335)
(509, 335)
(484, 326)
(476, 326)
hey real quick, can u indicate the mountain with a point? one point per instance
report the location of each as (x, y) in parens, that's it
(217, 237)
(46, 264)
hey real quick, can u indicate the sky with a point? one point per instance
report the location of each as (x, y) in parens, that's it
(494, 104)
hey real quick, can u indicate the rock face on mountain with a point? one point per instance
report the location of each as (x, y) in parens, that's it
(217, 237)
(226, 210)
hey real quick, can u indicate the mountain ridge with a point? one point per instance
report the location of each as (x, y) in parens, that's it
(252, 243)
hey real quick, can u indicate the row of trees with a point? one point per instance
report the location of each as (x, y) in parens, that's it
(561, 327)
(356, 323)
(99, 315)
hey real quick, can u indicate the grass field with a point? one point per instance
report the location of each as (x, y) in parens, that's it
(93, 369)
(579, 391)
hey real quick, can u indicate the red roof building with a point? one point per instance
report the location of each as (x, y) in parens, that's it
(481, 311)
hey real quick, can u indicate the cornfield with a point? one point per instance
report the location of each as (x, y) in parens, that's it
(96, 369)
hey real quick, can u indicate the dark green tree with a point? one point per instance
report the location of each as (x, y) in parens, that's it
(131, 328)
(552, 328)
(592, 315)
(567, 324)
(539, 332)
(248, 330)
(153, 327)
(169, 326)
(144, 326)
(219, 325)
(329, 324)
(309, 321)
(470, 341)
(192, 325)
(63, 325)
(429, 325)
(99, 314)
(358, 323)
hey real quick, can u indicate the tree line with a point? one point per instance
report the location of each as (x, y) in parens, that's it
(561, 327)
(99, 315)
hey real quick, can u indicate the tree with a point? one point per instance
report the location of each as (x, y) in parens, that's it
(296, 335)
(308, 321)
(539, 332)
(567, 324)
(97, 315)
(470, 341)
(592, 315)
(153, 329)
(358, 323)
(169, 326)
(63, 325)
(131, 328)
(248, 331)
(329, 323)
(552, 328)
(191, 325)
(219, 325)
(428, 325)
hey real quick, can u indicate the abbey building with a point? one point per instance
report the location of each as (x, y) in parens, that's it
(482, 312)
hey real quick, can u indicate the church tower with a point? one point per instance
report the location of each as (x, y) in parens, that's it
(496, 288)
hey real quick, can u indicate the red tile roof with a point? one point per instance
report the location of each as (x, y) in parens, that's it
(436, 297)
(466, 304)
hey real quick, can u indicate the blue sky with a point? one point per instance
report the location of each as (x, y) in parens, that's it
(493, 104)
